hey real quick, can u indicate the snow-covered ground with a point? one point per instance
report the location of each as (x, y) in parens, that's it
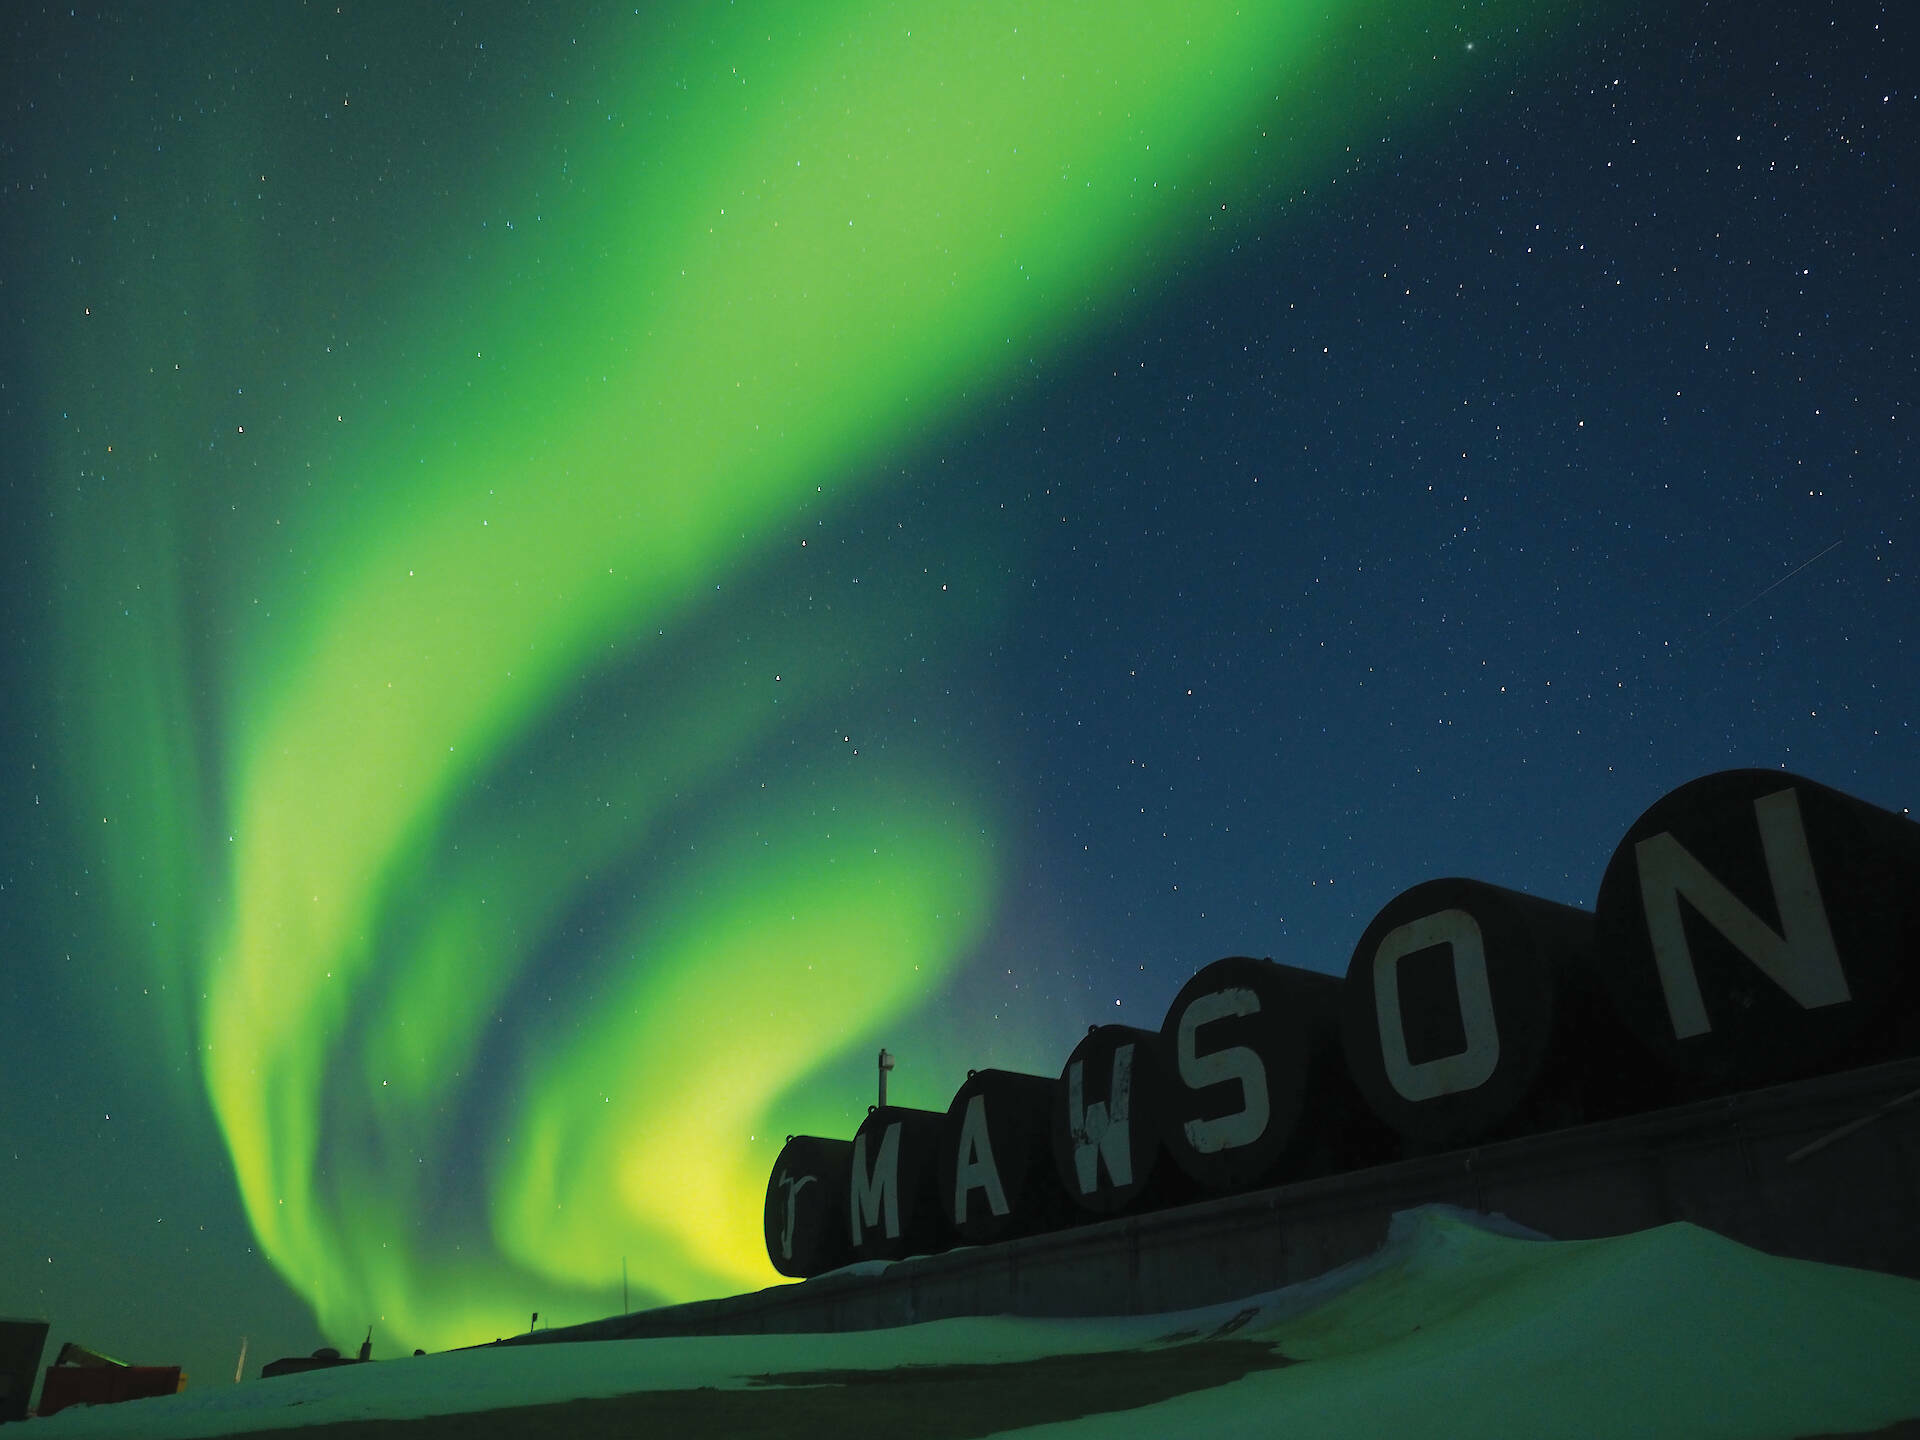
(1460, 1325)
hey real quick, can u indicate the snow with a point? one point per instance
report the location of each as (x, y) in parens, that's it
(1458, 1325)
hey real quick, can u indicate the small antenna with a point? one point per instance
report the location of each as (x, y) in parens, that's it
(886, 1064)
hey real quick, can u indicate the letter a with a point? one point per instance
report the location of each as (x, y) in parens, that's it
(977, 1168)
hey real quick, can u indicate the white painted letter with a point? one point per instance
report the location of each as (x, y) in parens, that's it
(793, 1189)
(976, 1163)
(1449, 1074)
(1099, 1131)
(881, 1188)
(1237, 1062)
(1803, 961)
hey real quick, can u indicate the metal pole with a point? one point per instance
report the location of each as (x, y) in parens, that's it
(886, 1064)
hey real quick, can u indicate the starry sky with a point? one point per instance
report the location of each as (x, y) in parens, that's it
(572, 570)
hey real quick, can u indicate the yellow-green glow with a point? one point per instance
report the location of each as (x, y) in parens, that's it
(732, 990)
(817, 230)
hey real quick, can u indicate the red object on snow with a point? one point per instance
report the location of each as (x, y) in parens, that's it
(106, 1384)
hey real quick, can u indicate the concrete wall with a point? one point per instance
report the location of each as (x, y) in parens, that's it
(1792, 1170)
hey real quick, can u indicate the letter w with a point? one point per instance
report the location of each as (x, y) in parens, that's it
(1099, 1131)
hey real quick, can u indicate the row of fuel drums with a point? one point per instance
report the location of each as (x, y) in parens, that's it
(1751, 927)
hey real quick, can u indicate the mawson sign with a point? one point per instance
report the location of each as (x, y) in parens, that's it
(1752, 927)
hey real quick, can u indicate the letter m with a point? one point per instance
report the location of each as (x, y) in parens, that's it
(878, 1189)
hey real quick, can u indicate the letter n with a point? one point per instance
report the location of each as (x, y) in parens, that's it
(1801, 960)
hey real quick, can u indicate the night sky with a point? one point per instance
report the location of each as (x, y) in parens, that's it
(571, 571)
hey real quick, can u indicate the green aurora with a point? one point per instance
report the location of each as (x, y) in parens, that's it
(396, 648)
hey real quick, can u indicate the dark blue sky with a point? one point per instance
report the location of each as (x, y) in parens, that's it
(1448, 522)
